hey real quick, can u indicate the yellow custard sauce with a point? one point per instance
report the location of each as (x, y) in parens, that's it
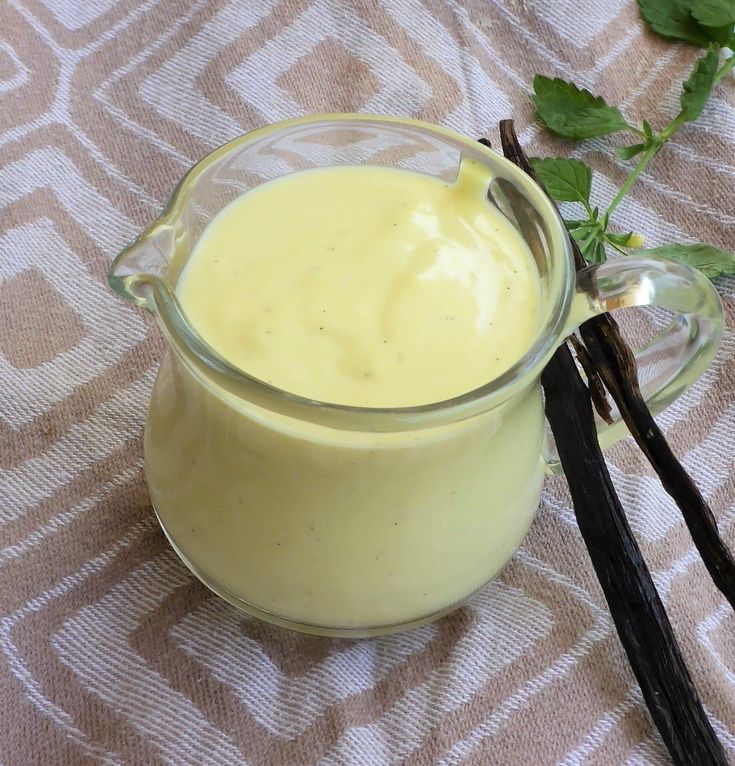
(368, 286)
(363, 286)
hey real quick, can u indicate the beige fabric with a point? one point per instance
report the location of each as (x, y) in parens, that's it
(110, 651)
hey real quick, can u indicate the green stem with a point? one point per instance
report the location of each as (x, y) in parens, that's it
(619, 249)
(672, 127)
(646, 157)
(725, 68)
(663, 137)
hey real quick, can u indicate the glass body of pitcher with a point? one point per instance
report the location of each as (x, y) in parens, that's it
(356, 521)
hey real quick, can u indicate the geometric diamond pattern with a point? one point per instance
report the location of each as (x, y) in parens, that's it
(110, 652)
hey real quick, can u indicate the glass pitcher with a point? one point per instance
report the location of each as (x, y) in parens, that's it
(356, 521)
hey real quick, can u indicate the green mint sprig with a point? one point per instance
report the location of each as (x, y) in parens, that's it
(575, 113)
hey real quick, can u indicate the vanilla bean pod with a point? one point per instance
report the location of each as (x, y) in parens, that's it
(636, 608)
(614, 363)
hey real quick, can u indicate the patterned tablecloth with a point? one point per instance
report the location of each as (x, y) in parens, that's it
(111, 652)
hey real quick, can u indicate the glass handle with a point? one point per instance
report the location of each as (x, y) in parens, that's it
(675, 358)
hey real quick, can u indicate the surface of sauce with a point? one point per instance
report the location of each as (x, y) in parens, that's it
(368, 286)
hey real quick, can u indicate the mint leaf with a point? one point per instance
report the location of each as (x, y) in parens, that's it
(628, 152)
(673, 19)
(714, 13)
(710, 260)
(594, 251)
(589, 237)
(565, 180)
(697, 88)
(574, 112)
(621, 240)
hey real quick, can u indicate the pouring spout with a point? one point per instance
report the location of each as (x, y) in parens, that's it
(143, 263)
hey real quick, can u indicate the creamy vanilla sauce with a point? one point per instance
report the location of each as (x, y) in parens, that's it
(368, 286)
(365, 286)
